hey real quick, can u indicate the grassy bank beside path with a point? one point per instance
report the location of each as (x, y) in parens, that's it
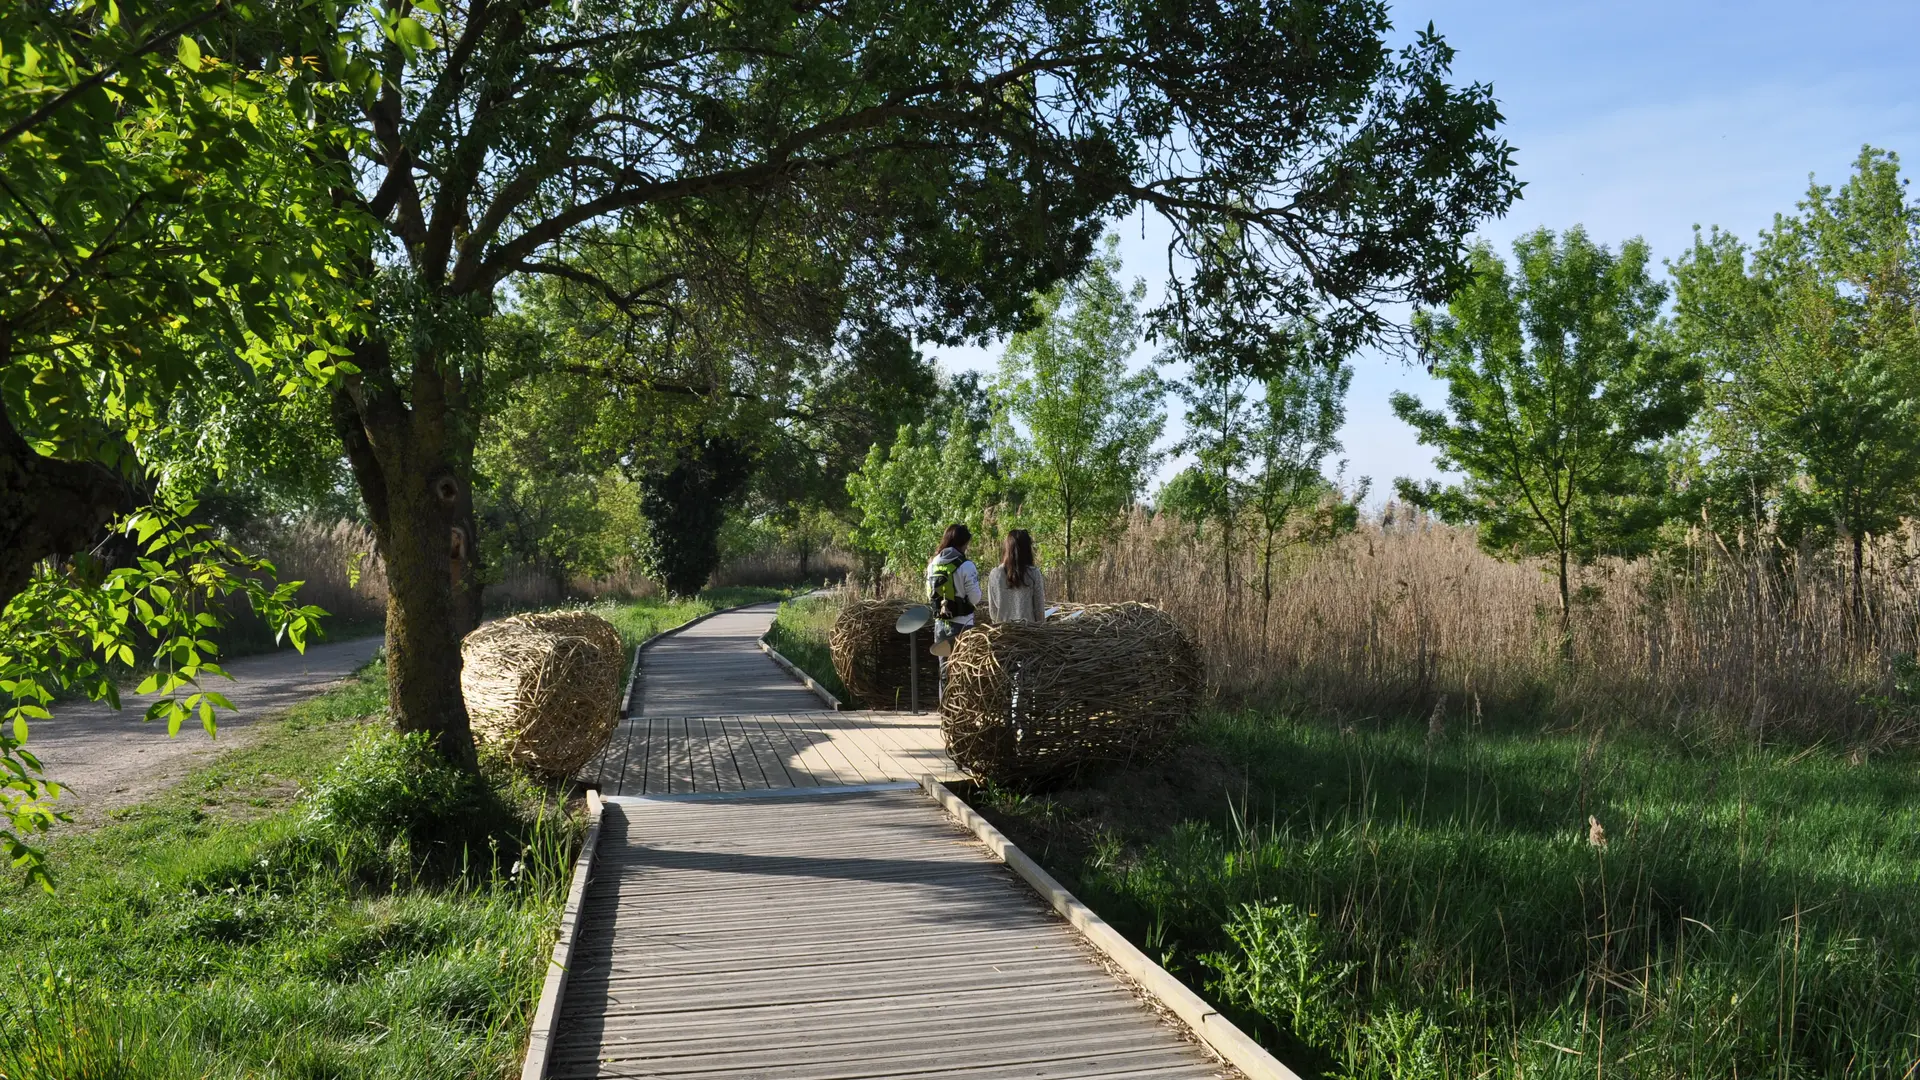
(1423, 901)
(322, 902)
(800, 633)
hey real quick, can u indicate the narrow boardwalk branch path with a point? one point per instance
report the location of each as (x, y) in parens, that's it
(711, 713)
(715, 667)
(766, 905)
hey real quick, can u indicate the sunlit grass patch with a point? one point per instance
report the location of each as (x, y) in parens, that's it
(385, 917)
(800, 633)
(1413, 902)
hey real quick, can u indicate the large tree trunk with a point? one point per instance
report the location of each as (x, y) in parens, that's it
(415, 475)
(47, 507)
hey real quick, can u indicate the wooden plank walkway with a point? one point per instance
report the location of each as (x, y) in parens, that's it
(765, 905)
(681, 755)
(834, 936)
(716, 668)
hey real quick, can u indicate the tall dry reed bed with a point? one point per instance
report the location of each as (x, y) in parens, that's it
(1408, 616)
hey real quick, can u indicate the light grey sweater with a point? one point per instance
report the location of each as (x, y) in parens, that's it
(1012, 603)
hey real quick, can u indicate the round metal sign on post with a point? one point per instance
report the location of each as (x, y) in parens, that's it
(911, 622)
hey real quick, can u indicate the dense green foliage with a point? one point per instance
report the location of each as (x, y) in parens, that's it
(1409, 902)
(79, 629)
(1812, 342)
(906, 494)
(1561, 387)
(685, 507)
(329, 900)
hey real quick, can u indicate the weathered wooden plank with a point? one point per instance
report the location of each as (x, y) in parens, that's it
(793, 1026)
(830, 936)
(706, 773)
(819, 752)
(860, 749)
(745, 761)
(790, 751)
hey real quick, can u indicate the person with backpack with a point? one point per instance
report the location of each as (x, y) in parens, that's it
(953, 588)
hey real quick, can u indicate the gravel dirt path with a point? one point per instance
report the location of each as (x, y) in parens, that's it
(108, 759)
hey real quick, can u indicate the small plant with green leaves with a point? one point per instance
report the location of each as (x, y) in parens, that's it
(1278, 967)
(83, 625)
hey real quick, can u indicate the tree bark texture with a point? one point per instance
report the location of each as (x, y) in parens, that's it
(414, 471)
(48, 507)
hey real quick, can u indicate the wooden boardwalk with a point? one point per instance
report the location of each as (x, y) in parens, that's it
(765, 905)
(681, 755)
(828, 936)
(715, 667)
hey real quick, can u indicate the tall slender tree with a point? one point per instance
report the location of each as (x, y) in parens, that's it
(1295, 429)
(1562, 384)
(1078, 426)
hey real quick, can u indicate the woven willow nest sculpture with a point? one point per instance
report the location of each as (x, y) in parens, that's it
(544, 688)
(1029, 703)
(871, 657)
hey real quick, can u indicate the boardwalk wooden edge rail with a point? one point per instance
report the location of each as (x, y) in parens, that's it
(793, 669)
(1216, 1031)
(546, 1017)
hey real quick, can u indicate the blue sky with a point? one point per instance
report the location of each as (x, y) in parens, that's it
(1642, 119)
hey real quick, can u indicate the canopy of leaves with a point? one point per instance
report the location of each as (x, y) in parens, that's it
(1562, 385)
(1812, 343)
(908, 492)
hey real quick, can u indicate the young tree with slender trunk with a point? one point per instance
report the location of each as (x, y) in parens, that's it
(1078, 428)
(1562, 386)
(1220, 417)
(1296, 429)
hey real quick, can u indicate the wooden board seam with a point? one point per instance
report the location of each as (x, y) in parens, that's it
(1206, 1023)
(546, 1018)
(762, 793)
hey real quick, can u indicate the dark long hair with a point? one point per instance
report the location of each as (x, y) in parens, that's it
(957, 536)
(1017, 557)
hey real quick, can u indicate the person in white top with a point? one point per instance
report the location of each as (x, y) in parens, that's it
(1015, 590)
(953, 588)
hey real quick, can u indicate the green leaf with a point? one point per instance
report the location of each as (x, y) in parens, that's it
(189, 52)
(408, 32)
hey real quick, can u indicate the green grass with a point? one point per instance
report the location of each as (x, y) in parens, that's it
(1383, 901)
(638, 620)
(315, 904)
(799, 633)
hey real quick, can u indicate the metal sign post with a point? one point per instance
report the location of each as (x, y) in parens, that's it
(911, 622)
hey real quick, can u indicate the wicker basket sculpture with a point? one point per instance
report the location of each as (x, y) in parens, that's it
(544, 688)
(871, 657)
(1029, 703)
